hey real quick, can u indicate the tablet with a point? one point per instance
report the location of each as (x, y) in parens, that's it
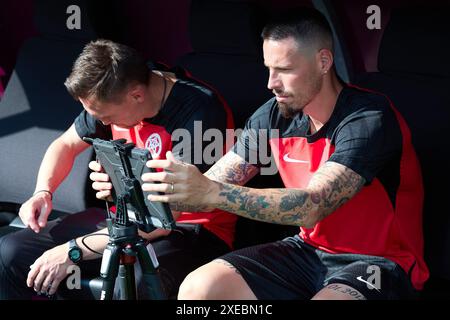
(125, 165)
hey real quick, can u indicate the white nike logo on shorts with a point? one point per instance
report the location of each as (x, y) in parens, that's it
(368, 283)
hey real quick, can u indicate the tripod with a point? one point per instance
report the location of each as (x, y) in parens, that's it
(120, 255)
(125, 246)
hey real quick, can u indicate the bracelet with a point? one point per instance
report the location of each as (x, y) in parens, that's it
(49, 192)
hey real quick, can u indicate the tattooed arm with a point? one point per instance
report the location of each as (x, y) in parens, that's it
(190, 186)
(231, 168)
(330, 187)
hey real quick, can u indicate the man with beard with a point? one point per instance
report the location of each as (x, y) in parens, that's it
(352, 179)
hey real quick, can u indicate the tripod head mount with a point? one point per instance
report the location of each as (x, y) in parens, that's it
(125, 164)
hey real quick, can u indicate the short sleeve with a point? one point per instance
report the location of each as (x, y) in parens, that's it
(367, 140)
(87, 126)
(253, 143)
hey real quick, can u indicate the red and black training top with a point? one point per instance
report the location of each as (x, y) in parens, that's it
(188, 112)
(366, 134)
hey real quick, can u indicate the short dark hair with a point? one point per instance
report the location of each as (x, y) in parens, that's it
(104, 69)
(306, 25)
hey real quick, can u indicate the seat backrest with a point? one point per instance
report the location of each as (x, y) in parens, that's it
(36, 107)
(413, 75)
(227, 54)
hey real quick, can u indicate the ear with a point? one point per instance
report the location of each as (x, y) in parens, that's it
(136, 93)
(325, 60)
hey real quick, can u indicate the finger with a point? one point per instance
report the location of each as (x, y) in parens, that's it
(54, 286)
(154, 234)
(158, 164)
(43, 215)
(102, 186)
(32, 221)
(95, 166)
(158, 187)
(168, 164)
(38, 282)
(164, 197)
(104, 195)
(164, 176)
(47, 284)
(32, 274)
(39, 279)
(98, 176)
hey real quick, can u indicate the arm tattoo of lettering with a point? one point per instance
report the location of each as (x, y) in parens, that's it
(221, 261)
(232, 169)
(330, 187)
(352, 293)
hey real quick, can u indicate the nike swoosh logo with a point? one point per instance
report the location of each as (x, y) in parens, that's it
(287, 159)
(368, 283)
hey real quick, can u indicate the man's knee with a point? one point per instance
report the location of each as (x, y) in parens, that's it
(194, 286)
(204, 283)
(217, 280)
(9, 251)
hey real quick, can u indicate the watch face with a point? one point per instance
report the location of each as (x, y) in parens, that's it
(75, 254)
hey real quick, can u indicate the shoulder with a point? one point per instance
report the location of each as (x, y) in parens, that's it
(187, 90)
(361, 100)
(361, 107)
(196, 96)
(84, 121)
(88, 126)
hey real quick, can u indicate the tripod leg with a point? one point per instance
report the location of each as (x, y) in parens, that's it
(150, 274)
(109, 270)
(127, 282)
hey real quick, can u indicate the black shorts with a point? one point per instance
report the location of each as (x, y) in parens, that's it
(293, 269)
(186, 248)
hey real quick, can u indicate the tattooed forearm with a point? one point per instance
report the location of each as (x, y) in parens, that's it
(232, 169)
(291, 202)
(330, 187)
(263, 204)
(242, 201)
(333, 185)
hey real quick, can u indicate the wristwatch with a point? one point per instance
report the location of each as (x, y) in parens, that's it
(75, 253)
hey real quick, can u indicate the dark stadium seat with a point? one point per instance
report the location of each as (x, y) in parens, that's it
(414, 73)
(227, 54)
(2, 89)
(36, 109)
